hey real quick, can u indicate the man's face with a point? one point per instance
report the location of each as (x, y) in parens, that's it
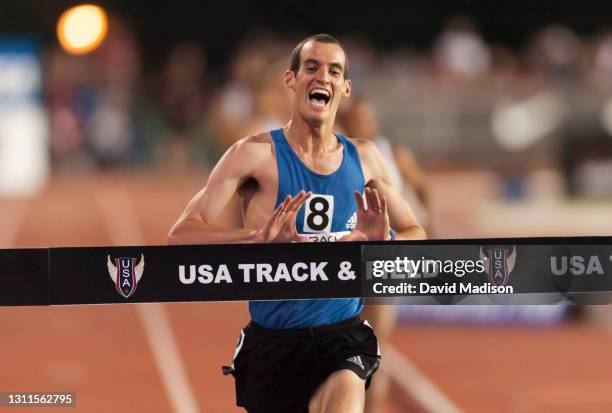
(319, 84)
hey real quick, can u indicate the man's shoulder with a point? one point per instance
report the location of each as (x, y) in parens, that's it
(251, 148)
(370, 157)
(249, 156)
(260, 142)
(361, 143)
(366, 148)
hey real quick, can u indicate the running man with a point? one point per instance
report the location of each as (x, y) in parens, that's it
(302, 183)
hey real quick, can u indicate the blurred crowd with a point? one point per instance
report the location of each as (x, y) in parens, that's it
(462, 101)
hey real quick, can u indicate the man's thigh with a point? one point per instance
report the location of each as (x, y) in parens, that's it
(342, 392)
(274, 375)
(349, 359)
(281, 374)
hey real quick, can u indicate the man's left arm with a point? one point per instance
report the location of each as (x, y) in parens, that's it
(377, 175)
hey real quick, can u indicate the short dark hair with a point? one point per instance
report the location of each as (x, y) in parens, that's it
(294, 65)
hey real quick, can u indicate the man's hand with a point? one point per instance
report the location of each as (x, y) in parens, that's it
(281, 225)
(372, 218)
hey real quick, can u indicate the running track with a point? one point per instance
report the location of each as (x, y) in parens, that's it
(167, 358)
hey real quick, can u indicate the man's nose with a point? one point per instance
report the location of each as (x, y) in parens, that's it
(323, 77)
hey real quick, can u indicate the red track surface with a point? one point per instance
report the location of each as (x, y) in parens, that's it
(561, 369)
(102, 353)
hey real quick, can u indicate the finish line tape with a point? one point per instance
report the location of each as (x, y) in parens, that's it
(467, 271)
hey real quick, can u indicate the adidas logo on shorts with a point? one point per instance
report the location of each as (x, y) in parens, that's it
(356, 360)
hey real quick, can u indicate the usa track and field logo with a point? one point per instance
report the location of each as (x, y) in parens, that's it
(125, 273)
(499, 263)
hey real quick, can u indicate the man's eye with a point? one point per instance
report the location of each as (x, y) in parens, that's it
(335, 72)
(310, 69)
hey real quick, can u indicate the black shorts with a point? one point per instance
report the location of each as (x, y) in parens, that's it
(280, 370)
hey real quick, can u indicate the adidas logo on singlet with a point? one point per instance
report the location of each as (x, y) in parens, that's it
(356, 360)
(352, 222)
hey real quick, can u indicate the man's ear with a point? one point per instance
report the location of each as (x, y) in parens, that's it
(347, 88)
(290, 79)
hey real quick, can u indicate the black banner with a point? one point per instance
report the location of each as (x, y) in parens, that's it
(24, 277)
(489, 271)
(203, 273)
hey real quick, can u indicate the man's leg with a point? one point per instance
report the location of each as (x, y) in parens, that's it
(382, 317)
(342, 392)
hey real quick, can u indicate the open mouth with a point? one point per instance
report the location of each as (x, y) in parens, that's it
(319, 97)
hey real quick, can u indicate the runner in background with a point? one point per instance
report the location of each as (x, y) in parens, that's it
(358, 119)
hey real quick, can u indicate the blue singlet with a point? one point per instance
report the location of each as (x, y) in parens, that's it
(328, 214)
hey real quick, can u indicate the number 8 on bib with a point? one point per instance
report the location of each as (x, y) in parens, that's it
(318, 213)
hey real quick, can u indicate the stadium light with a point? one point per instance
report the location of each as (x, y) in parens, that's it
(81, 29)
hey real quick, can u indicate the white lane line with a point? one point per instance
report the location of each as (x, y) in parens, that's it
(415, 384)
(158, 328)
(121, 220)
(10, 220)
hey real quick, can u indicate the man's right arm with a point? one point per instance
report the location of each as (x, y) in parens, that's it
(198, 222)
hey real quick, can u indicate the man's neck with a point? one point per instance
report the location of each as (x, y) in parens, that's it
(312, 140)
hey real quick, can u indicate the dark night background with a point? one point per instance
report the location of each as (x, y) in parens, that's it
(220, 25)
